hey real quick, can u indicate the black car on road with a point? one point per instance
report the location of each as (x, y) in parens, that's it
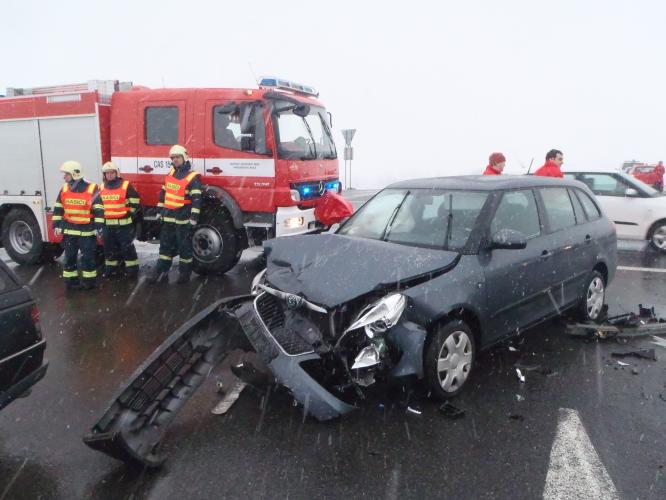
(22, 346)
(420, 279)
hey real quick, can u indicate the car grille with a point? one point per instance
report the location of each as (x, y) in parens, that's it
(271, 313)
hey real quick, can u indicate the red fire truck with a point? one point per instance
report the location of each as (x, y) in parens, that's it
(266, 156)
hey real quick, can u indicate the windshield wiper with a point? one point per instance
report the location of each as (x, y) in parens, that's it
(313, 149)
(333, 154)
(449, 223)
(394, 214)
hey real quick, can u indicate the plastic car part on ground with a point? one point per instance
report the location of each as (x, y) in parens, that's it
(643, 324)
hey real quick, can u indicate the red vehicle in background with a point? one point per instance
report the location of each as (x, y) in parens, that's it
(652, 175)
(266, 157)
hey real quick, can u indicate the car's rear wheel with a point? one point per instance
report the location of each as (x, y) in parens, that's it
(657, 236)
(449, 358)
(592, 305)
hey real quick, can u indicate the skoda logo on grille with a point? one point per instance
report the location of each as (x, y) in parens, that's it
(294, 301)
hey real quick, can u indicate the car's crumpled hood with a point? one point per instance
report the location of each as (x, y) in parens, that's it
(330, 269)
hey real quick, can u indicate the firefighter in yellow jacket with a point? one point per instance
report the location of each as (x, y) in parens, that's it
(120, 202)
(179, 208)
(79, 222)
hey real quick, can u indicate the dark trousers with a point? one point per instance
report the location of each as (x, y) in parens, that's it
(175, 239)
(87, 245)
(119, 246)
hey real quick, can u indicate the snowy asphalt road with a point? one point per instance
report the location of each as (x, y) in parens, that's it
(581, 424)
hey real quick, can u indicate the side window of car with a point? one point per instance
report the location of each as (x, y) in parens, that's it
(591, 208)
(517, 211)
(578, 208)
(605, 184)
(161, 125)
(559, 211)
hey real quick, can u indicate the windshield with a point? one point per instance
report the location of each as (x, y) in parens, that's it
(303, 138)
(649, 190)
(436, 219)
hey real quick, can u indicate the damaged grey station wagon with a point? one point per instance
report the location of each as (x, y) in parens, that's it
(420, 279)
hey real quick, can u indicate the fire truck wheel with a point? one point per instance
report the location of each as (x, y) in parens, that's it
(22, 237)
(215, 244)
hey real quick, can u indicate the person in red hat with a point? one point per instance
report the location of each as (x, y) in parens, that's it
(496, 164)
(554, 160)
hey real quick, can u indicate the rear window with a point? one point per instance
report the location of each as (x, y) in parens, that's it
(161, 125)
(591, 208)
(559, 211)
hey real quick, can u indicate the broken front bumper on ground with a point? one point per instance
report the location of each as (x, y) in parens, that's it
(135, 422)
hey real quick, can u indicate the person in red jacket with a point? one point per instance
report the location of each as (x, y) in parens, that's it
(496, 164)
(554, 160)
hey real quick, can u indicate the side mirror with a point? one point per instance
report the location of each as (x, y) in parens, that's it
(302, 110)
(508, 239)
(631, 192)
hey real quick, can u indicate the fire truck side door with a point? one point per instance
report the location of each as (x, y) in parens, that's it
(236, 142)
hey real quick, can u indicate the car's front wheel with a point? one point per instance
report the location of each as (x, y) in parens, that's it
(449, 358)
(592, 305)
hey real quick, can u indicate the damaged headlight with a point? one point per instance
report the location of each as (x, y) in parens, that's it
(256, 281)
(381, 315)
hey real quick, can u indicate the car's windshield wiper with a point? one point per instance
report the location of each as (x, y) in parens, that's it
(332, 154)
(394, 214)
(449, 223)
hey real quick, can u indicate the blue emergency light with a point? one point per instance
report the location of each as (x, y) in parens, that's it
(271, 81)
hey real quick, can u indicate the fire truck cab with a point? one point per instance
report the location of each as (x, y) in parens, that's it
(266, 157)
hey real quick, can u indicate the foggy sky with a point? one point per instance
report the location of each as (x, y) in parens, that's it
(433, 89)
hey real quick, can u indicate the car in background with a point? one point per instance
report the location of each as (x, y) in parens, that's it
(22, 345)
(637, 210)
(652, 175)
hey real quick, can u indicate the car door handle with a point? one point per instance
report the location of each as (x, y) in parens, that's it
(545, 255)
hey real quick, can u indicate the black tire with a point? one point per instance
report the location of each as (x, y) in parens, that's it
(22, 237)
(585, 313)
(459, 334)
(657, 236)
(216, 244)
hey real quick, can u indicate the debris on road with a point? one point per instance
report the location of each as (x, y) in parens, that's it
(643, 324)
(229, 398)
(519, 418)
(450, 411)
(521, 377)
(520, 398)
(512, 349)
(623, 364)
(414, 410)
(641, 353)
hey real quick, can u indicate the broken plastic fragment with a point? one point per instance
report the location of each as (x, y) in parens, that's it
(369, 356)
(519, 398)
(623, 364)
(521, 377)
(414, 410)
(641, 353)
(512, 349)
(451, 411)
(229, 398)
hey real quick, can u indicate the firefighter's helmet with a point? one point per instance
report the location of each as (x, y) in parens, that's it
(109, 166)
(178, 150)
(72, 168)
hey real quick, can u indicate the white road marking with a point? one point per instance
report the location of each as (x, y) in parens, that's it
(642, 269)
(575, 470)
